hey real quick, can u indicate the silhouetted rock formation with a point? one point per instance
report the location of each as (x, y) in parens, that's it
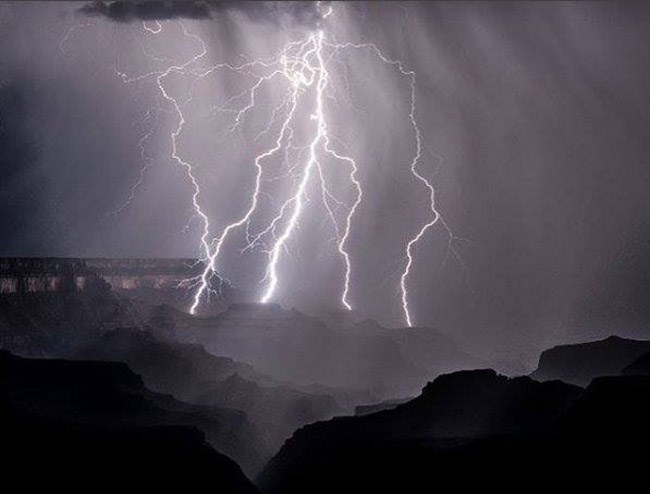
(58, 323)
(193, 375)
(616, 406)
(640, 367)
(277, 410)
(580, 363)
(379, 407)
(180, 369)
(477, 431)
(81, 419)
(290, 346)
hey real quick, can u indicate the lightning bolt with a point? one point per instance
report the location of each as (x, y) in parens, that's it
(435, 215)
(146, 160)
(153, 30)
(160, 77)
(298, 198)
(303, 67)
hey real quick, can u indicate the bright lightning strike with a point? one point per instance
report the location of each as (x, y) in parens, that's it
(298, 198)
(303, 67)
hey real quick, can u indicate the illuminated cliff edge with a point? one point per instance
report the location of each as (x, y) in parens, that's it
(58, 274)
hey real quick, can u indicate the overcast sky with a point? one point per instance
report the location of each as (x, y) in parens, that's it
(535, 118)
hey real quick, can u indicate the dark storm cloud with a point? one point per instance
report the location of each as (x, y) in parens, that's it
(121, 11)
(151, 10)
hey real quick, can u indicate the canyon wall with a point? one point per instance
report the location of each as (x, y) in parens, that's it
(43, 274)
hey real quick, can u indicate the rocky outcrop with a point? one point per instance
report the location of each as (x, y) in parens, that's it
(151, 280)
(379, 407)
(68, 424)
(640, 367)
(58, 323)
(278, 410)
(580, 363)
(193, 375)
(183, 370)
(477, 431)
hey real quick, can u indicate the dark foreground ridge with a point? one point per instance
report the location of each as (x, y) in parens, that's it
(480, 431)
(640, 367)
(90, 424)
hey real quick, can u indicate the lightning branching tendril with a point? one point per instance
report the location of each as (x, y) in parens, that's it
(303, 66)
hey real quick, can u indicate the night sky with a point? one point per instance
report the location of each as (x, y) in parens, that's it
(536, 129)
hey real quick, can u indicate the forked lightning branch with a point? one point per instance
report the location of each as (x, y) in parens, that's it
(304, 68)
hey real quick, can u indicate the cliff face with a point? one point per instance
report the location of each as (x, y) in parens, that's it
(153, 280)
(640, 367)
(57, 323)
(580, 363)
(277, 410)
(167, 367)
(477, 431)
(93, 423)
(49, 304)
(40, 274)
(193, 375)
